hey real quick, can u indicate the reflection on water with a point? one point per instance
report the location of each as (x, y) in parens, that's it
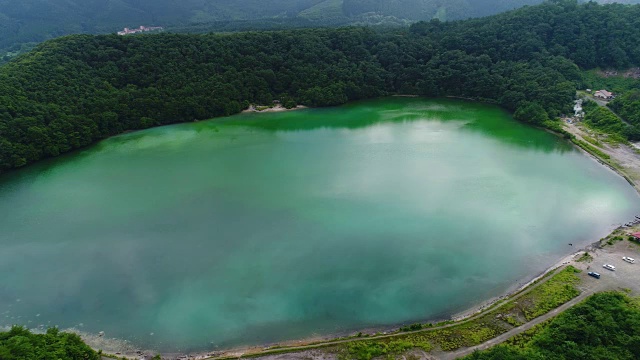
(266, 227)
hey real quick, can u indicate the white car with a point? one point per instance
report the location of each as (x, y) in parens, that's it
(629, 260)
(609, 267)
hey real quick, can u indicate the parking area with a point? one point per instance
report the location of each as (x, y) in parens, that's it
(626, 276)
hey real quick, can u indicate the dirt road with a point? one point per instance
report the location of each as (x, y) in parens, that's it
(626, 159)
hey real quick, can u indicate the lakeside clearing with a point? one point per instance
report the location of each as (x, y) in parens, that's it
(622, 158)
(273, 108)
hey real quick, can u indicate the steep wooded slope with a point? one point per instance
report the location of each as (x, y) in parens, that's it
(73, 91)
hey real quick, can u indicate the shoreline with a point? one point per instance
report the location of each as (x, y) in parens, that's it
(615, 157)
(327, 340)
(267, 109)
(128, 351)
(119, 348)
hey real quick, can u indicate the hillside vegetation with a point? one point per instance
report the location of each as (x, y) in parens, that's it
(605, 326)
(26, 22)
(20, 344)
(427, 9)
(628, 106)
(73, 91)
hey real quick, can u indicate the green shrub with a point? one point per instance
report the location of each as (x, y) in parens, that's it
(605, 326)
(553, 293)
(412, 327)
(20, 344)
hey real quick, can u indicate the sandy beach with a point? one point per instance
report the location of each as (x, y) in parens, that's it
(266, 109)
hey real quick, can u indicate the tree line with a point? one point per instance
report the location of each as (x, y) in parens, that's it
(627, 106)
(20, 344)
(25, 21)
(73, 91)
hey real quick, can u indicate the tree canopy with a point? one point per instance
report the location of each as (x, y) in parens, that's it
(20, 344)
(73, 91)
(605, 326)
(31, 21)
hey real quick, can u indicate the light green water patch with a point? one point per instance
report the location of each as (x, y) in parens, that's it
(267, 227)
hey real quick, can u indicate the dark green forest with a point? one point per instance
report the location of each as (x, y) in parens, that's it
(73, 91)
(427, 9)
(24, 22)
(20, 344)
(605, 326)
(627, 106)
(37, 20)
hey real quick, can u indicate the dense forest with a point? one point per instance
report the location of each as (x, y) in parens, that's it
(605, 326)
(24, 22)
(20, 344)
(73, 91)
(427, 9)
(627, 106)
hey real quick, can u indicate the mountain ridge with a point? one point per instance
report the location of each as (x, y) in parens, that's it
(32, 21)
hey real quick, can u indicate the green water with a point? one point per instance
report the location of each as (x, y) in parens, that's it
(266, 227)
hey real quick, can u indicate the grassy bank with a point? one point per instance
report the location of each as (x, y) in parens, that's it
(605, 326)
(559, 289)
(547, 293)
(20, 344)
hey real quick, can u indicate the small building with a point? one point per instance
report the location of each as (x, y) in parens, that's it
(141, 29)
(589, 90)
(635, 236)
(603, 94)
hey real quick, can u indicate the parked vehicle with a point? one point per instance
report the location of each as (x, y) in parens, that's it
(629, 260)
(594, 274)
(609, 267)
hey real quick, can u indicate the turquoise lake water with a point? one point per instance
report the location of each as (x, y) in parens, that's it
(266, 227)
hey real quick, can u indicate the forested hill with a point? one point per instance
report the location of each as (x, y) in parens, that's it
(30, 21)
(73, 91)
(37, 20)
(427, 9)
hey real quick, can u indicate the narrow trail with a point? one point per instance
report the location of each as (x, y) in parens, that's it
(515, 331)
(625, 277)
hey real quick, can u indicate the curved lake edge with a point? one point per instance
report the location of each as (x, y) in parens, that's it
(123, 348)
(251, 110)
(471, 311)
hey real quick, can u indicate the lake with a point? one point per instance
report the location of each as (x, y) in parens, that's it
(266, 227)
